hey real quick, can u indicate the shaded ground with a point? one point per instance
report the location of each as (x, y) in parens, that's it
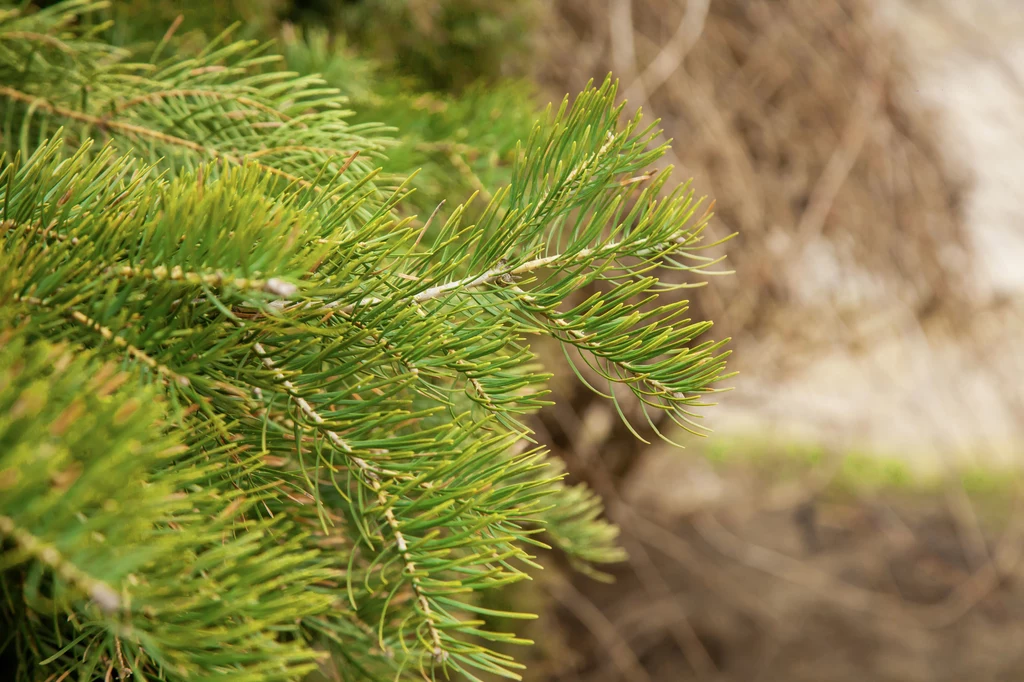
(769, 583)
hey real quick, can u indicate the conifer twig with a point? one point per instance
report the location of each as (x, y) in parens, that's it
(103, 123)
(375, 484)
(495, 274)
(102, 594)
(117, 340)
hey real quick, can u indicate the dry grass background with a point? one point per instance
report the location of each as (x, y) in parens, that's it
(801, 119)
(794, 116)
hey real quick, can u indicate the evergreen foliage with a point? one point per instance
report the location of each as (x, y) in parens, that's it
(453, 144)
(255, 418)
(444, 44)
(444, 143)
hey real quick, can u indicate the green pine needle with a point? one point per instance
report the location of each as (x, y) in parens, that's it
(253, 420)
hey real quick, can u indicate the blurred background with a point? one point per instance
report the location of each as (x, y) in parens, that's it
(855, 512)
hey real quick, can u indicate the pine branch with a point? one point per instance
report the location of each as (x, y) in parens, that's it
(221, 105)
(342, 387)
(90, 501)
(24, 542)
(504, 275)
(375, 484)
(132, 130)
